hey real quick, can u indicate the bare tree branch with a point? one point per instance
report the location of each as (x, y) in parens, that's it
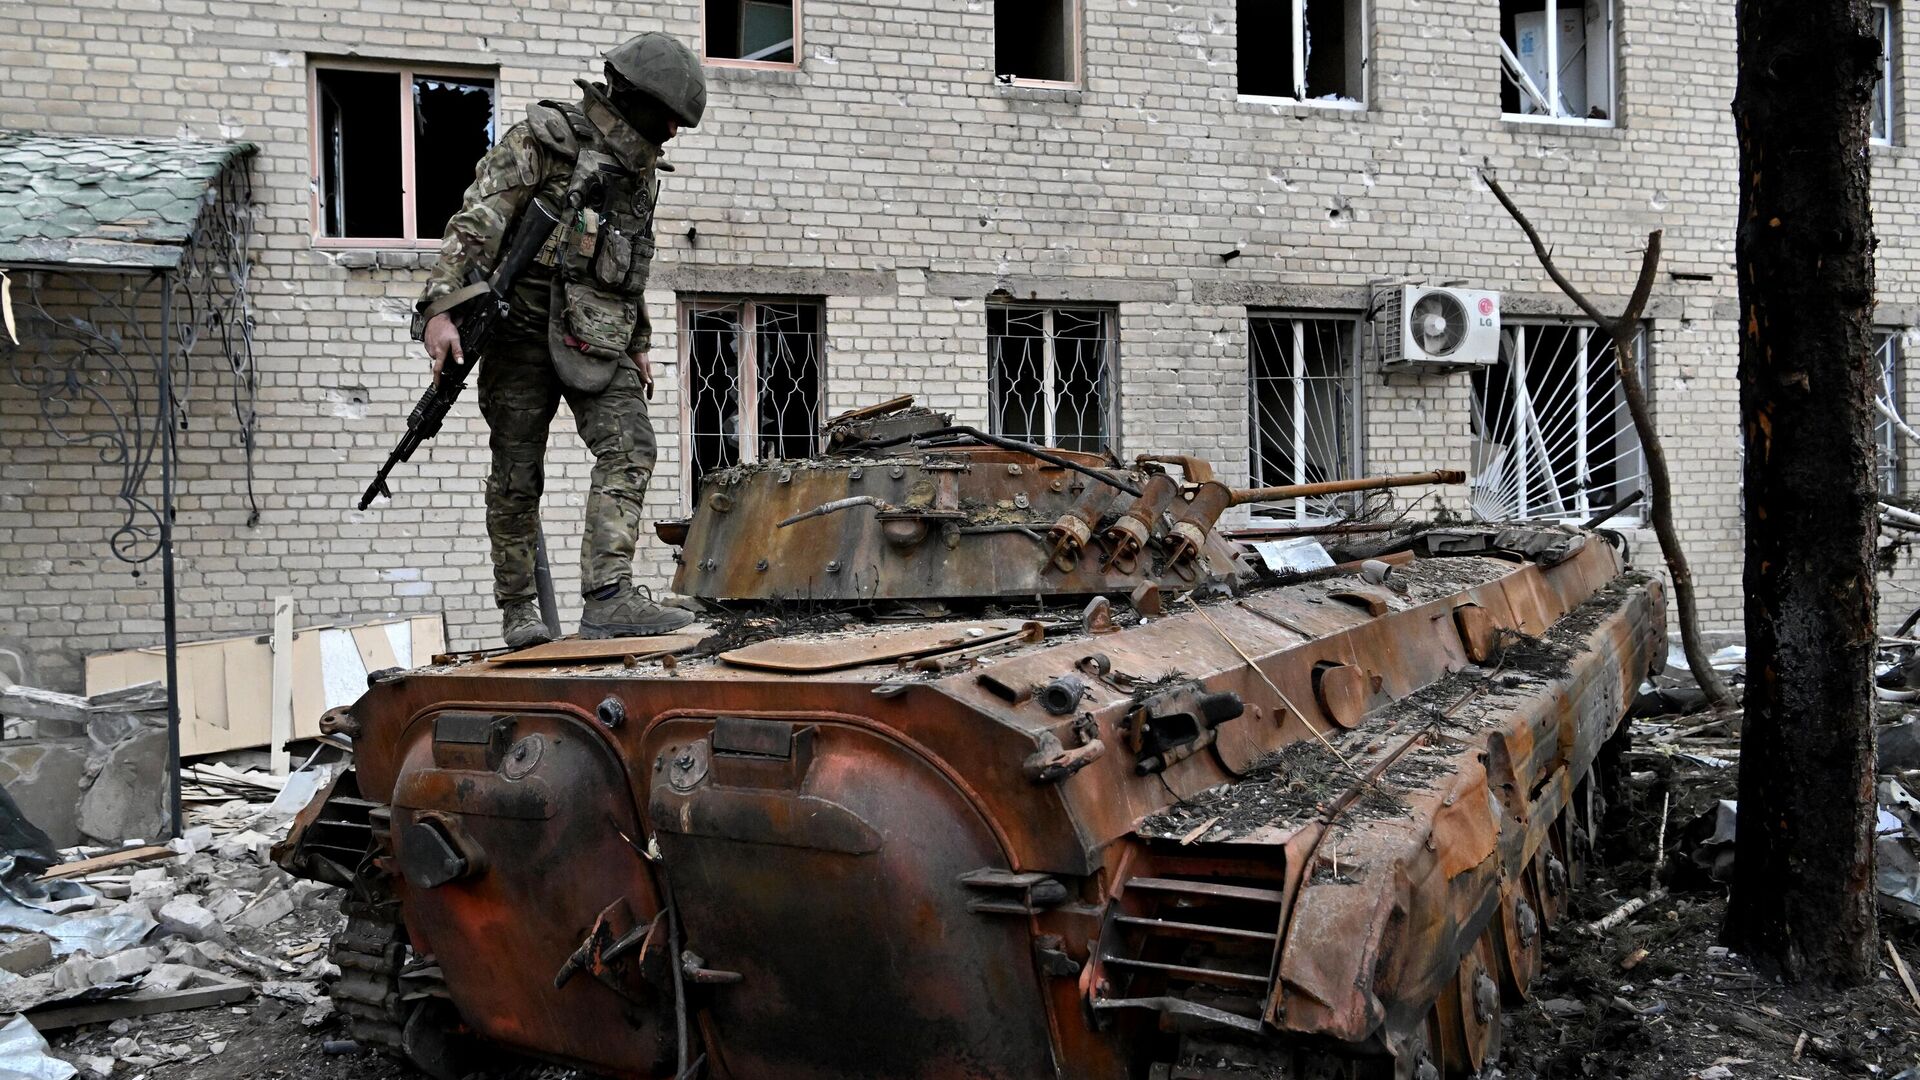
(1546, 257)
(1625, 334)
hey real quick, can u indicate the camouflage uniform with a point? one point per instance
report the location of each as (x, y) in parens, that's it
(522, 379)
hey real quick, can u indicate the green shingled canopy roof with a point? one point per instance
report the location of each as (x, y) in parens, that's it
(109, 202)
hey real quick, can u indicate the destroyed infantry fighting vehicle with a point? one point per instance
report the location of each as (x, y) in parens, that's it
(994, 762)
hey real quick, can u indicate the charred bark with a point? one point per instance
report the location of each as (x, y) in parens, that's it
(1802, 901)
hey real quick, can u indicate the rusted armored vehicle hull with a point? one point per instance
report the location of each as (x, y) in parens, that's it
(1312, 828)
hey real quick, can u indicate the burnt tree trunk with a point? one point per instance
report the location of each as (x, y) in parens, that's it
(1802, 901)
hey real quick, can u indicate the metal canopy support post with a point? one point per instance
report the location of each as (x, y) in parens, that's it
(169, 424)
(190, 235)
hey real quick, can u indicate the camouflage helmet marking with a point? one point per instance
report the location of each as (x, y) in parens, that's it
(658, 64)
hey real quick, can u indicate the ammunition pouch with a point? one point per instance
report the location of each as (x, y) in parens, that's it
(588, 332)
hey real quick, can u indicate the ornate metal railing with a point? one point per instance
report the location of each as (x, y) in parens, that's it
(109, 357)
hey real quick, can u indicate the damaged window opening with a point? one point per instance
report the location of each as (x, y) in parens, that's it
(396, 149)
(1552, 437)
(775, 346)
(1304, 403)
(1304, 50)
(753, 31)
(1037, 41)
(1052, 371)
(1562, 74)
(1882, 116)
(1889, 449)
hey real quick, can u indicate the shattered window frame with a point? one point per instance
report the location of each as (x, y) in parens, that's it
(1885, 114)
(1311, 363)
(1552, 470)
(749, 321)
(1046, 402)
(407, 77)
(1075, 45)
(1549, 99)
(794, 43)
(1359, 17)
(1889, 447)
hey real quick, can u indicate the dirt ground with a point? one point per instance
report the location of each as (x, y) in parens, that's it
(1688, 1008)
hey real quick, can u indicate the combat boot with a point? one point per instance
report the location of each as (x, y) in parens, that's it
(521, 625)
(626, 611)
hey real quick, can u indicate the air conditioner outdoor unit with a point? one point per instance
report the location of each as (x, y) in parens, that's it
(1422, 328)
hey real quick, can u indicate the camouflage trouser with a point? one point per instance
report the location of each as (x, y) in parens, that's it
(519, 393)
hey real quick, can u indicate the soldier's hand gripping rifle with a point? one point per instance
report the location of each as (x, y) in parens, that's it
(476, 310)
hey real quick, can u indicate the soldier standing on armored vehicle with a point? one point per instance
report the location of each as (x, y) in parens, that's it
(576, 325)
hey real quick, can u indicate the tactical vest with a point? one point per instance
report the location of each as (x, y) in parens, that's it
(602, 251)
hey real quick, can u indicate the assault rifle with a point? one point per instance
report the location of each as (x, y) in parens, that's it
(477, 310)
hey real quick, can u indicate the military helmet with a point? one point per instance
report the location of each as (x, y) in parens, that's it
(659, 65)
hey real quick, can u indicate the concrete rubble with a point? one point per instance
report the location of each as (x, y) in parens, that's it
(87, 769)
(104, 962)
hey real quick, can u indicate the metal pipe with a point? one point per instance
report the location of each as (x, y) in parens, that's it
(1608, 514)
(681, 1049)
(1244, 496)
(1276, 532)
(170, 610)
(835, 507)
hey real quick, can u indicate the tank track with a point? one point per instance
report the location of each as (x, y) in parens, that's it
(371, 952)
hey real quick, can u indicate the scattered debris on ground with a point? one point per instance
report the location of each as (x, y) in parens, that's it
(1656, 996)
(193, 960)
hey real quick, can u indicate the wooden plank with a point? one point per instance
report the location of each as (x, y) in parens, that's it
(603, 650)
(1900, 968)
(108, 861)
(139, 1003)
(376, 652)
(118, 670)
(280, 706)
(248, 695)
(429, 638)
(309, 691)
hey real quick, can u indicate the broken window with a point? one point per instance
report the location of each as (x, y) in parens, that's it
(1304, 402)
(753, 31)
(396, 149)
(1889, 463)
(773, 346)
(1307, 50)
(1552, 436)
(1037, 40)
(1052, 371)
(1883, 87)
(1557, 59)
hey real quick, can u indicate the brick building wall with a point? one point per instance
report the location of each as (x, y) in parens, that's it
(895, 178)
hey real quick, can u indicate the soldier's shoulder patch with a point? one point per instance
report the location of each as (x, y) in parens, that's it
(515, 162)
(548, 124)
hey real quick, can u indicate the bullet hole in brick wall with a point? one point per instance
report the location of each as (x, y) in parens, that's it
(363, 165)
(1326, 63)
(760, 30)
(348, 402)
(1033, 40)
